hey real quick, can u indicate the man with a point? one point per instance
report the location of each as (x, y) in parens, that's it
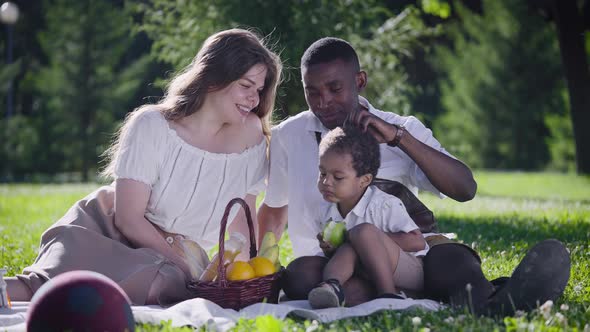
(332, 81)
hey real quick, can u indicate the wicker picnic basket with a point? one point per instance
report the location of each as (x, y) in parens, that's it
(238, 294)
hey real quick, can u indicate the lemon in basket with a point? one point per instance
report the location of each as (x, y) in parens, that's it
(239, 270)
(262, 266)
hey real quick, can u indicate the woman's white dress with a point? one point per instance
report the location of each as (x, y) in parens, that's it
(190, 189)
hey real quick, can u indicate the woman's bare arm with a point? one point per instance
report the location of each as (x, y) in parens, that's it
(131, 198)
(240, 225)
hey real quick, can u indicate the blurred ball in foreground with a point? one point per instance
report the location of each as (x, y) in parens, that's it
(80, 301)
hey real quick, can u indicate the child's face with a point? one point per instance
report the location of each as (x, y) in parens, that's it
(337, 181)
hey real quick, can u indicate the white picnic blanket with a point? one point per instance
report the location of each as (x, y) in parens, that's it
(199, 312)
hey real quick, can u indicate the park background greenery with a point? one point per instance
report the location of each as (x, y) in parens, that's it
(488, 76)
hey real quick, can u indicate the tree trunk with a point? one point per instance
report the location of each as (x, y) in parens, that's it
(570, 31)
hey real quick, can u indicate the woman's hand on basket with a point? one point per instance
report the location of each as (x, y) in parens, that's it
(326, 247)
(179, 257)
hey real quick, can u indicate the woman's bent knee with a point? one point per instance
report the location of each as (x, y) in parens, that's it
(18, 290)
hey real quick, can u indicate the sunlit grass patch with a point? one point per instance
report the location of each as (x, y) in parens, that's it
(554, 186)
(500, 223)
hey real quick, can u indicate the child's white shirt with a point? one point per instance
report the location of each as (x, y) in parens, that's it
(376, 207)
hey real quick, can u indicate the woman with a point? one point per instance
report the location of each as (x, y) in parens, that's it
(176, 165)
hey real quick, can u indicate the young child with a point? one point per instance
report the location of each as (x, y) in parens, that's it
(383, 244)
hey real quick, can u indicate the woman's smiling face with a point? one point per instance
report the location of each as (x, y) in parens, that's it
(240, 97)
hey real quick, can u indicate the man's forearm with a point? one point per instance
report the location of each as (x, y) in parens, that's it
(450, 176)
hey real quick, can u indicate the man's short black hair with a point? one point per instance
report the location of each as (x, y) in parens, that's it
(329, 49)
(362, 147)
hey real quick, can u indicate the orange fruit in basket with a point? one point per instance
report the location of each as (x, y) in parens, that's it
(262, 266)
(239, 270)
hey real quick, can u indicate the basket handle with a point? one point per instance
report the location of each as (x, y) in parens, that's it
(253, 251)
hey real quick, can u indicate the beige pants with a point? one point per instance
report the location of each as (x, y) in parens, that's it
(86, 238)
(409, 274)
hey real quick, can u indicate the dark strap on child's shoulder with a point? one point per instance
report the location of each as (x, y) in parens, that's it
(422, 216)
(318, 137)
(419, 212)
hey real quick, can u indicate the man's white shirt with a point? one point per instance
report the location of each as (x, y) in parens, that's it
(294, 171)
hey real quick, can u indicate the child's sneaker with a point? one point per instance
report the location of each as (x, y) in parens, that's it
(328, 294)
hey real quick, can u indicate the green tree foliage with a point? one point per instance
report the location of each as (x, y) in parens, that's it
(561, 141)
(179, 27)
(82, 65)
(438, 8)
(18, 142)
(18, 136)
(382, 56)
(503, 78)
(85, 85)
(7, 73)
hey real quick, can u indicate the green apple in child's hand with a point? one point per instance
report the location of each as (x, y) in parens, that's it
(334, 233)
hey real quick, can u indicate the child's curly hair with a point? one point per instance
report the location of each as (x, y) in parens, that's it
(362, 147)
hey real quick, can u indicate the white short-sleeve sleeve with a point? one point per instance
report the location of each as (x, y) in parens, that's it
(258, 162)
(139, 153)
(277, 194)
(391, 216)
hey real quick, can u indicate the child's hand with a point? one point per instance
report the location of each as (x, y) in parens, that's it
(326, 247)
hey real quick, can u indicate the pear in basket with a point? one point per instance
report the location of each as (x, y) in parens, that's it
(195, 257)
(269, 248)
(268, 240)
(271, 253)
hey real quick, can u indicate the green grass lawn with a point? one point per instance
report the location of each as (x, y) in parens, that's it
(511, 212)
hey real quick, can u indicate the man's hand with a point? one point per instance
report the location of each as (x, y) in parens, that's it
(326, 247)
(382, 131)
(449, 175)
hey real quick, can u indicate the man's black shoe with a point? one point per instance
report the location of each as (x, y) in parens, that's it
(498, 283)
(541, 276)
